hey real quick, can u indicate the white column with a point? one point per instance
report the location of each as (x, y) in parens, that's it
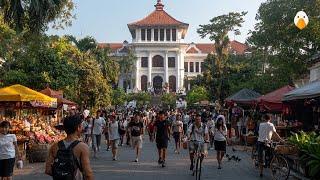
(181, 70)
(137, 85)
(178, 71)
(152, 35)
(166, 78)
(149, 68)
(145, 35)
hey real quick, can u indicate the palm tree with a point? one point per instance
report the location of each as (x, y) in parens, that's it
(35, 14)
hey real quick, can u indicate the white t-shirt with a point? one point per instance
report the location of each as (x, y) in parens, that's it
(98, 126)
(7, 149)
(186, 119)
(220, 135)
(198, 133)
(113, 131)
(87, 127)
(177, 126)
(210, 125)
(266, 129)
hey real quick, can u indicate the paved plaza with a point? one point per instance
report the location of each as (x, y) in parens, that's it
(148, 169)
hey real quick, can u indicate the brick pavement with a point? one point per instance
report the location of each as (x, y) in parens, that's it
(148, 169)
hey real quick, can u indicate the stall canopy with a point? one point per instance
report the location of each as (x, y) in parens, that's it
(59, 96)
(244, 96)
(311, 90)
(272, 102)
(19, 93)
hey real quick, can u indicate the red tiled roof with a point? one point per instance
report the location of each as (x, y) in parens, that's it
(239, 47)
(158, 17)
(207, 48)
(192, 50)
(113, 46)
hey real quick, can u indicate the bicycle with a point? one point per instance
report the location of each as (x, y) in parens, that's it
(198, 158)
(278, 164)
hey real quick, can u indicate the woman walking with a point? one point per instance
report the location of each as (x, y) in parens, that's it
(122, 129)
(114, 136)
(177, 127)
(220, 139)
(8, 151)
(87, 127)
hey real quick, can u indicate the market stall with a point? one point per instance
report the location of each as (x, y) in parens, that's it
(63, 104)
(272, 103)
(304, 103)
(33, 130)
(241, 109)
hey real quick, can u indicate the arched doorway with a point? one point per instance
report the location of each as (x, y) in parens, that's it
(172, 83)
(157, 61)
(144, 83)
(157, 84)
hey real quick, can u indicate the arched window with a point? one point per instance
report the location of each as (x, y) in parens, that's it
(144, 83)
(172, 83)
(157, 61)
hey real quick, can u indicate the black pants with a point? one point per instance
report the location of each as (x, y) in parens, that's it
(96, 141)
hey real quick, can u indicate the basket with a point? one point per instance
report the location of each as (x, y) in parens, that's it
(251, 140)
(286, 149)
(38, 153)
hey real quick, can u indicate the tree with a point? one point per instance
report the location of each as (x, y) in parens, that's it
(126, 64)
(217, 31)
(197, 94)
(118, 97)
(169, 100)
(142, 98)
(284, 47)
(35, 15)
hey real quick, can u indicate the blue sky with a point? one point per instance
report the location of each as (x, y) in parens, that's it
(106, 20)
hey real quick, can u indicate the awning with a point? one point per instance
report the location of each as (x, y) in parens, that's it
(19, 93)
(59, 95)
(272, 101)
(311, 90)
(244, 96)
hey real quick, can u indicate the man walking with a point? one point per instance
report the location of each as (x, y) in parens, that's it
(98, 126)
(136, 131)
(57, 163)
(162, 130)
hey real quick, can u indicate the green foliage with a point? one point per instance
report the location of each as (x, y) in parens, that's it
(197, 94)
(169, 100)
(142, 98)
(118, 97)
(282, 45)
(217, 65)
(126, 64)
(35, 15)
(309, 145)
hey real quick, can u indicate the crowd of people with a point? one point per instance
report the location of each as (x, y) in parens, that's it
(202, 130)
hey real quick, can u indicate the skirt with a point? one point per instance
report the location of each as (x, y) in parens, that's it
(220, 145)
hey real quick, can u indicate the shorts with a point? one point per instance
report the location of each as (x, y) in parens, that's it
(162, 143)
(137, 142)
(114, 143)
(6, 167)
(261, 147)
(176, 136)
(193, 145)
(220, 145)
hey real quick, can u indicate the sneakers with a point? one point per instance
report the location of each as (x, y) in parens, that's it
(136, 160)
(159, 161)
(175, 151)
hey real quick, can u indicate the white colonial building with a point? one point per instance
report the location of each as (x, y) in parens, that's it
(163, 58)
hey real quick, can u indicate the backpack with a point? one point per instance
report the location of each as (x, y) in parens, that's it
(65, 163)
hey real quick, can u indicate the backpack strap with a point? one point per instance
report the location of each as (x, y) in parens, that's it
(61, 145)
(73, 144)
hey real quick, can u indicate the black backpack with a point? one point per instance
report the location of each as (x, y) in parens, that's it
(65, 164)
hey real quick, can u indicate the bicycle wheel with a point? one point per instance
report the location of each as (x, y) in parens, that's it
(194, 169)
(198, 164)
(254, 156)
(200, 168)
(280, 168)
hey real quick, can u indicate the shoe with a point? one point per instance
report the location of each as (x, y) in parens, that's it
(219, 167)
(136, 160)
(261, 175)
(163, 164)
(114, 159)
(159, 161)
(191, 167)
(175, 151)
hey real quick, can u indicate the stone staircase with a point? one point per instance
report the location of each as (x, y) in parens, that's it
(155, 100)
